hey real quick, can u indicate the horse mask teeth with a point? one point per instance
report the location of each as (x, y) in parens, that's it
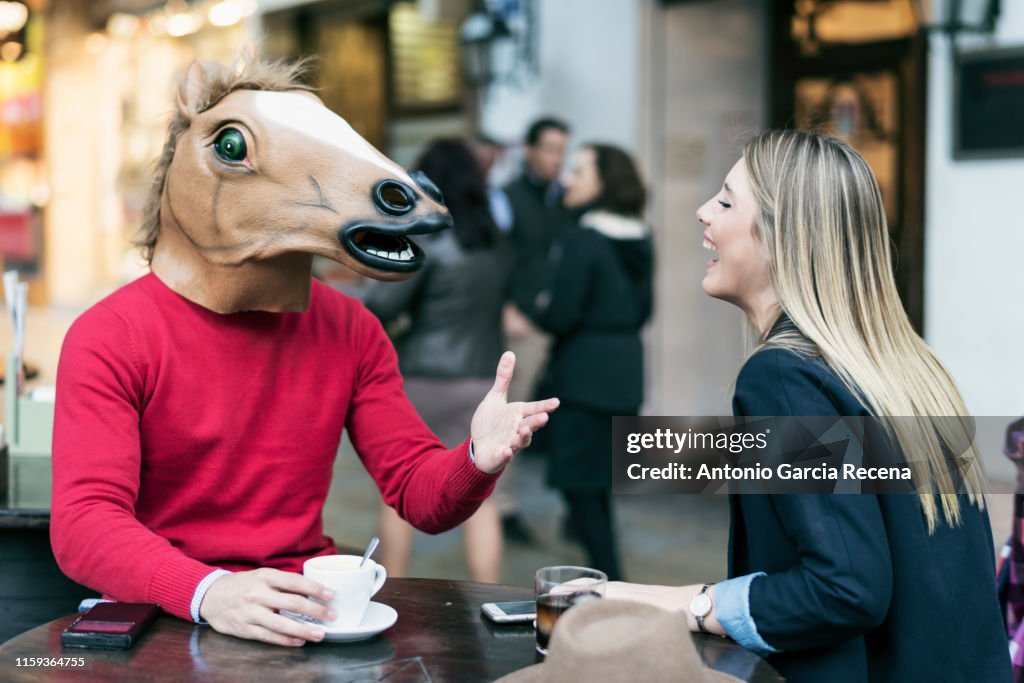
(258, 177)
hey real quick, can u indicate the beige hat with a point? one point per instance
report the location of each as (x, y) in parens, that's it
(618, 640)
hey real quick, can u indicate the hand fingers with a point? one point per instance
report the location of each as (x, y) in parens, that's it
(295, 603)
(523, 437)
(533, 407)
(614, 586)
(572, 586)
(504, 455)
(288, 627)
(503, 377)
(533, 422)
(524, 433)
(256, 632)
(295, 583)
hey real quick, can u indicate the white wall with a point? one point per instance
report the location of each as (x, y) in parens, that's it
(590, 65)
(974, 253)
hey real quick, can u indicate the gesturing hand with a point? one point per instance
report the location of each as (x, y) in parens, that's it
(500, 428)
(245, 604)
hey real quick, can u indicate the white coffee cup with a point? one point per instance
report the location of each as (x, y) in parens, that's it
(353, 585)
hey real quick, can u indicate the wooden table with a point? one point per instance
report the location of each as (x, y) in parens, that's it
(439, 628)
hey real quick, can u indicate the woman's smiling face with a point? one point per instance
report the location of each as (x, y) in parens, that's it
(583, 182)
(741, 273)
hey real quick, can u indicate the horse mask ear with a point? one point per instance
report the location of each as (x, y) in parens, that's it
(189, 90)
(246, 55)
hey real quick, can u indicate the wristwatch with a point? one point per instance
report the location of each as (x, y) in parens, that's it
(701, 606)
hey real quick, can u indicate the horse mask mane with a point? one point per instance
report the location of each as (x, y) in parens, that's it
(257, 176)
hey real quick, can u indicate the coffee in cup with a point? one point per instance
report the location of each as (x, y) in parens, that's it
(353, 585)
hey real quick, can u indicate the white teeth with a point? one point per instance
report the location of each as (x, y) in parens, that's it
(405, 254)
(709, 245)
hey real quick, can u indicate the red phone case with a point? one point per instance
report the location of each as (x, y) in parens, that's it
(110, 625)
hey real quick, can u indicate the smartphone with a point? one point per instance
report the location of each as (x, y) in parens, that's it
(510, 612)
(110, 625)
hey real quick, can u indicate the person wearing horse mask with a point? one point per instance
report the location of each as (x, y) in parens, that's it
(199, 408)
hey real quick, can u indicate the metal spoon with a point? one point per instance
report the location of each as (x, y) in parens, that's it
(374, 542)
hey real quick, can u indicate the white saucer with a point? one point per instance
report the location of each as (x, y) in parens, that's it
(378, 618)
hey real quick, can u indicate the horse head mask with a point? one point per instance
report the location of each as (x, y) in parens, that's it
(257, 176)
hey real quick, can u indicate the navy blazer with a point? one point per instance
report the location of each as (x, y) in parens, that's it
(856, 588)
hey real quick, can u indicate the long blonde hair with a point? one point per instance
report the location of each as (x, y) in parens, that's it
(821, 216)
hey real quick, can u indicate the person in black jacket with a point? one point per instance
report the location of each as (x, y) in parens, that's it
(537, 222)
(598, 299)
(539, 216)
(843, 587)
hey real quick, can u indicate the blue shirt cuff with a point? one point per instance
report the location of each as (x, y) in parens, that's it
(732, 607)
(197, 597)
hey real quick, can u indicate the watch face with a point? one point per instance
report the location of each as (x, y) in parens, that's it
(700, 606)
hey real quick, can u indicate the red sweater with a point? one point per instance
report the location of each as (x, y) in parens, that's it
(185, 440)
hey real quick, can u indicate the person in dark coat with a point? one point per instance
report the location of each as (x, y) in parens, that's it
(539, 217)
(841, 588)
(598, 299)
(537, 221)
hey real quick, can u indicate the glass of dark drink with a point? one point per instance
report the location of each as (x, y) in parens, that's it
(558, 589)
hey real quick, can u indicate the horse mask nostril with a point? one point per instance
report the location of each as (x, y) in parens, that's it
(428, 186)
(394, 197)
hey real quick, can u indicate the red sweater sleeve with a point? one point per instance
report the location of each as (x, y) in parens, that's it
(431, 487)
(96, 537)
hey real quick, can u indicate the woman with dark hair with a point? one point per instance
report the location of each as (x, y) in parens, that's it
(453, 336)
(597, 300)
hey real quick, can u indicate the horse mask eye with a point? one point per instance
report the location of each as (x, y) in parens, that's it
(230, 145)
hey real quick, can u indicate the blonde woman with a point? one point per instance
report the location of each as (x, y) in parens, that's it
(840, 587)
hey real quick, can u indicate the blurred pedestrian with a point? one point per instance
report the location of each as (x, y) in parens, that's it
(453, 337)
(597, 300)
(488, 153)
(538, 221)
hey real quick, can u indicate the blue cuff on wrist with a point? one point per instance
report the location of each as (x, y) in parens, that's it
(732, 607)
